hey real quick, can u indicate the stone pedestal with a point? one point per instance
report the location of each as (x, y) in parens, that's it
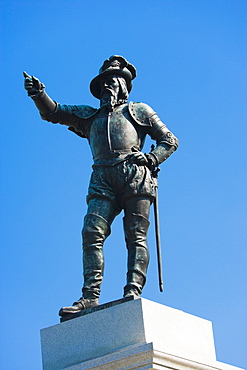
(137, 334)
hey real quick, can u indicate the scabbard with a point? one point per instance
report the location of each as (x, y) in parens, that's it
(157, 235)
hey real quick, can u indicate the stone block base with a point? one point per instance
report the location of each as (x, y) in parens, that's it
(136, 334)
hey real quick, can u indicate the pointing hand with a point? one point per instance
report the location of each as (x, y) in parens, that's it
(32, 84)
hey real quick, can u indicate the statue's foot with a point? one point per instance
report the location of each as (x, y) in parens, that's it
(80, 305)
(132, 293)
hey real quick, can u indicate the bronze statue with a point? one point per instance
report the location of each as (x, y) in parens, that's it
(122, 177)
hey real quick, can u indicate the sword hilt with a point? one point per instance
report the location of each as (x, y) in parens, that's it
(156, 170)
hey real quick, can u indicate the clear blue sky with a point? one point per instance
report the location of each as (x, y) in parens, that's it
(191, 63)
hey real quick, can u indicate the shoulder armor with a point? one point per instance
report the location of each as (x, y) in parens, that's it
(141, 113)
(83, 111)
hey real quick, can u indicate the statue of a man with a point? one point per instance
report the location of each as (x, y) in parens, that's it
(122, 174)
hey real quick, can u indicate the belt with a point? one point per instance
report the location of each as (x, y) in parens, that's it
(113, 154)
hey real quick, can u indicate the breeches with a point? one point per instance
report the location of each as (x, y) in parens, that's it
(120, 182)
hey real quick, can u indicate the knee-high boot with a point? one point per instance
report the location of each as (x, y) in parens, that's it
(94, 232)
(135, 228)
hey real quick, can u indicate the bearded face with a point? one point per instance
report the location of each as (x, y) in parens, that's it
(113, 92)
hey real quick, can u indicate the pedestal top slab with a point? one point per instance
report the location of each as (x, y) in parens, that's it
(131, 323)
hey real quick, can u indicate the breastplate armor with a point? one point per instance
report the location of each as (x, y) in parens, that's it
(114, 135)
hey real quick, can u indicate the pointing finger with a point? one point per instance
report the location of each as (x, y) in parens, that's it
(26, 75)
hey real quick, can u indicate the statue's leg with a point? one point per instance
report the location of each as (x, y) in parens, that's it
(95, 230)
(97, 222)
(135, 227)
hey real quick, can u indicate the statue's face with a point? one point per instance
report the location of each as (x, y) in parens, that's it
(109, 91)
(110, 84)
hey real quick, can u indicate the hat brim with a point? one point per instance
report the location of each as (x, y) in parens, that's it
(95, 85)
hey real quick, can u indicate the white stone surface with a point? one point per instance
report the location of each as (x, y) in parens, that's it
(138, 334)
(178, 333)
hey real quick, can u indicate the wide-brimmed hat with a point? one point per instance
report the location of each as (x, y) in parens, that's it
(116, 65)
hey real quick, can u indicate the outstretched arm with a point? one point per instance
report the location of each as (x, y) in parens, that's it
(36, 90)
(74, 116)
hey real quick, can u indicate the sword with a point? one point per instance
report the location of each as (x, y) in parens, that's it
(157, 229)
